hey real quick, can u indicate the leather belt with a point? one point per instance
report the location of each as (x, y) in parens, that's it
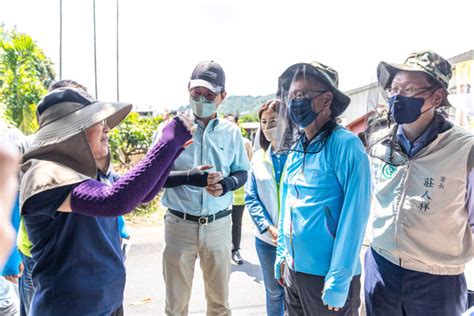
(202, 220)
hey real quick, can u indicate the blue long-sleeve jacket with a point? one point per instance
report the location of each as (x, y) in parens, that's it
(325, 205)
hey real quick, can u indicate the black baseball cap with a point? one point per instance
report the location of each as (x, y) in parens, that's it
(210, 75)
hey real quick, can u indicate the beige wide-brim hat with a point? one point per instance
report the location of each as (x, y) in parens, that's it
(80, 120)
(64, 115)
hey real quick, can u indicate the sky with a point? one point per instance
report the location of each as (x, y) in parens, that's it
(160, 42)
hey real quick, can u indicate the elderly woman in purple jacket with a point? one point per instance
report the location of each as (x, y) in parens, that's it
(70, 216)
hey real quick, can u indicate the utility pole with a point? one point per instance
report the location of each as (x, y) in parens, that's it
(95, 54)
(60, 39)
(118, 65)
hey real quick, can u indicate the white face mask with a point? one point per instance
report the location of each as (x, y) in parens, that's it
(202, 108)
(270, 134)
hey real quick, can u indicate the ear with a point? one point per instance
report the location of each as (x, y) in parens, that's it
(327, 99)
(438, 97)
(223, 95)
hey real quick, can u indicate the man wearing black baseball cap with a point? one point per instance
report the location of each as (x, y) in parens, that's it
(197, 222)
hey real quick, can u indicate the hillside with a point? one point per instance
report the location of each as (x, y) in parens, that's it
(240, 104)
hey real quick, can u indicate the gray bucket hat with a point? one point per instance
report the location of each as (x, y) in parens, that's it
(326, 74)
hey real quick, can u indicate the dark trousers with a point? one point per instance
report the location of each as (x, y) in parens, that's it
(303, 295)
(118, 312)
(470, 298)
(237, 214)
(393, 290)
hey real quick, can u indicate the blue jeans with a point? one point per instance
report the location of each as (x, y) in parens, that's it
(275, 295)
(25, 286)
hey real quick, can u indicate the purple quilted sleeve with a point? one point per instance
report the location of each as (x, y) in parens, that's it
(97, 199)
(162, 181)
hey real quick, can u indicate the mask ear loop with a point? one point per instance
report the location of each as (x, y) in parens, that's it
(389, 112)
(389, 116)
(434, 106)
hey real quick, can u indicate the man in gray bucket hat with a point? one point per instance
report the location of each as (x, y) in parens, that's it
(424, 201)
(325, 198)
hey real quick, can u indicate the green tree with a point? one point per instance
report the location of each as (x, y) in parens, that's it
(25, 74)
(133, 137)
(251, 117)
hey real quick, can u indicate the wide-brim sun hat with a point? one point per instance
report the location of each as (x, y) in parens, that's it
(325, 73)
(64, 115)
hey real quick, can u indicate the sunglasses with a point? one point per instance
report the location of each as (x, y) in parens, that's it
(196, 93)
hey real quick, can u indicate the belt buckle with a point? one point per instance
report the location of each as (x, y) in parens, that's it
(203, 220)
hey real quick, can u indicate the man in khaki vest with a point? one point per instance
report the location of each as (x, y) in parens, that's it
(423, 205)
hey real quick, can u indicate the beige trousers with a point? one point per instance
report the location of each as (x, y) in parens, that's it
(184, 242)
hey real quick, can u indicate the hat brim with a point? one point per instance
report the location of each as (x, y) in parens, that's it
(340, 101)
(387, 71)
(76, 122)
(203, 83)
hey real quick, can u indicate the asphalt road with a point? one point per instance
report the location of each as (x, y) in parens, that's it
(145, 289)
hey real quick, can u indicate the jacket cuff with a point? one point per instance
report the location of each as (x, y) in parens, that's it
(278, 263)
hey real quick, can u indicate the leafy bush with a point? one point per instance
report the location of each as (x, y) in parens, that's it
(132, 137)
(25, 74)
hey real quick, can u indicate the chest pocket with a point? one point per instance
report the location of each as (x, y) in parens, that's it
(220, 152)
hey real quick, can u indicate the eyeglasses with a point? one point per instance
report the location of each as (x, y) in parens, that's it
(196, 93)
(299, 94)
(102, 123)
(407, 92)
(389, 151)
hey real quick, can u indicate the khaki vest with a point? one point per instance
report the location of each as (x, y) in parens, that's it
(419, 215)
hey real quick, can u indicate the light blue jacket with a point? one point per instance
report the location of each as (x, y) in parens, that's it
(325, 205)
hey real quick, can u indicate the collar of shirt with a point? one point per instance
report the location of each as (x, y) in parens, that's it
(278, 161)
(212, 123)
(436, 126)
(105, 177)
(305, 142)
